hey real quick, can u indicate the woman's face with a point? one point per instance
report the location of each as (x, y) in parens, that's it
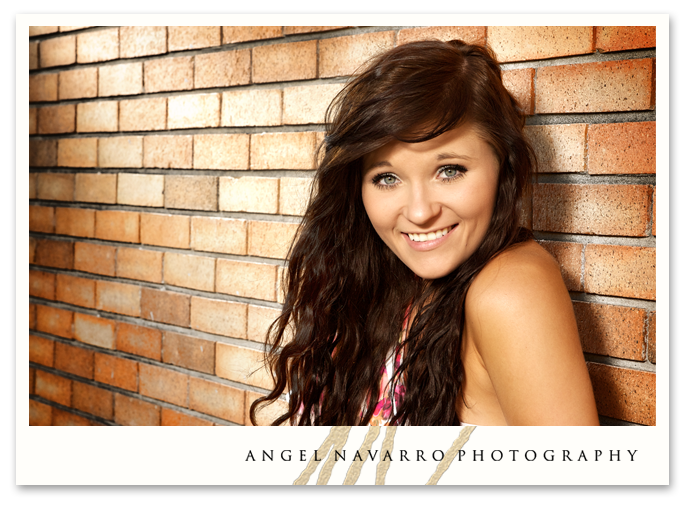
(432, 202)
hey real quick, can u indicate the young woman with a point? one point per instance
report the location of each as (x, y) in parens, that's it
(413, 295)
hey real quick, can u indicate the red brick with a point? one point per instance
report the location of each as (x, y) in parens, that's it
(102, 45)
(58, 51)
(181, 38)
(142, 41)
(65, 418)
(77, 152)
(33, 55)
(622, 148)
(469, 34)
(190, 271)
(260, 107)
(653, 218)
(97, 116)
(143, 114)
(651, 337)
(139, 340)
(294, 195)
(615, 331)
(286, 150)
(118, 298)
(120, 152)
(43, 153)
(140, 190)
(163, 384)
(220, 70)
(74, 221)
(41, 219)
(41, 30)
(168, 74)
(595, 87)
(125, 79)
(194, 111)
(41, 350)
(284, 62)
(42, 284)
(233, 34)
(99, 188)
(32, 380)
(341, 56)
(217, 400)
(58, 254)
(56, 119)
(175, 418)
(32, 316)
(39, 414)
(33, 183)
(137, 263)
(32, 249)
(120, 226)
(94, 258)
(43, 88)
(246, 279)
(74, 360)
(168, 230)
(55, 321)
(270, 239)
(135, 412)
(116, 371)
(221, 317)
(518, 43)
(55, 186)
(75, 290)
(52, 387)
(623, 271)
(624, 394)
(267, 413)
(242, 365)
(249, 194)
(559, 148)
(219, 235)
(308, 104)
(92, 399)
(192, 192)
(222, 151)
(94, 331)
(168, 151)
(520, 83)
(592, 209)
(33, 121)
(79, 83)
(568, 255)
(188, 352)
(166, 307)
(621, 38)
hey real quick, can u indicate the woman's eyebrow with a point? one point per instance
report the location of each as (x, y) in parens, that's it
(451, 154)
(383, 163)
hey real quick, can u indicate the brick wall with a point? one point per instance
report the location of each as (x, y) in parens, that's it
(169, 168)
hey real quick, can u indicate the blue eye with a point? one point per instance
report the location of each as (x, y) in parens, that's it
(385, 180)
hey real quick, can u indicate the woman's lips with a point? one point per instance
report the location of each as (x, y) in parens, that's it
(431, 244)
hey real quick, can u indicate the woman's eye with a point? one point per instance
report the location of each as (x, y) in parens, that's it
(385, 180)
(388, 180)
(451, 171)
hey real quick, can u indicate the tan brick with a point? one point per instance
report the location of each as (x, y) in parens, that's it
(308, 104)
(294, 195)
(117, 152)
(284, 62)
(42, 284)
(168, 151)
(267, 413)
(75, 290)
(469, 34)
(55, 321)
(219, 235)
(137, 263)
(280, 284)
(233, 34)
(622, 148)
(520, 83)
(72, 28)
(124, 79)
(144, 114)
(168, 230)
(341, 56)
(222, 151)
(163, 384)
(116, 371)
(74, 360)
(242, 365)
(41, 30)
(166, 307)
(177, 419)
(74, 221)
(43, 153)
(191, 192)
(118, 298)
(94, 330)
(134, 412)
(194, 111)
(41, 350)
(58, 254)
(181, 38)
(139, 340)
(122, 226)
(94, 258)
(518, 43)
(270, 239)
(79, 83)
(592, 209)
(221, 317)
(189, 271)
(188, 352)
(623, 271)
(290, 30)
(40, 414)
(595, 87)
(621, 38)
(259, 318)
(63, 418)
(33, 121)
(57, 119)
(217, 400)
(289, 150)
(97, 116)
(615, 331)
(43, 88)
(79, 152)
(102, 45)
(140, 190)
(261, 107)
(33, 55)
(100, 188)
(246, 279)
(42, 219)
(58, 51)
(559, 148)
(624, 394)
(568, 255)
(142, 41)
(220, 70)
(92, 399)
(168, 74)
(54, 388)
(250, 194)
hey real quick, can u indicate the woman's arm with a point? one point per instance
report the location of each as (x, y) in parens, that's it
(521, 320)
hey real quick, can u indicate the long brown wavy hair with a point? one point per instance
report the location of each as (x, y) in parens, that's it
(347, 294)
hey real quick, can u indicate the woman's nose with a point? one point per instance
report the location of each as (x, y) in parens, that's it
(422, 205)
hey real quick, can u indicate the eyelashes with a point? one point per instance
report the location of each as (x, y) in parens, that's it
(446, 174)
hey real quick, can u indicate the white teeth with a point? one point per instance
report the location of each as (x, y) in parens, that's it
(429, 236)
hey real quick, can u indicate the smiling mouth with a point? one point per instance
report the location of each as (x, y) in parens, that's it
(430, 236)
